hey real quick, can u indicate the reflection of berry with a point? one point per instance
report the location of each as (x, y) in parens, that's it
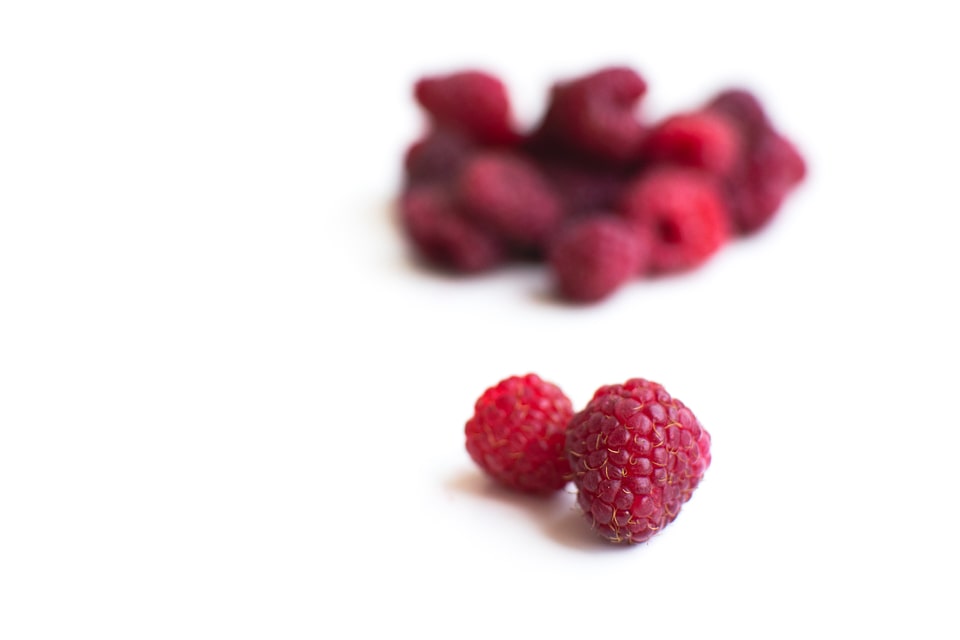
(594, 116)
(684, 211)
(592, 258)
(442, 236)
(473, 102)
(507, 194)
(636, 455)
(516, 434)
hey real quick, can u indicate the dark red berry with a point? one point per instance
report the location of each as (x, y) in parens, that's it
(593, 257)
(702, 140)
(437, 157)
(595, 117)
(517, 434)
(637, 455)
(684, 211)
(442, 235)
(508, 194)
(769, 173)
(474, 102)
(744, 110)
(584, 189)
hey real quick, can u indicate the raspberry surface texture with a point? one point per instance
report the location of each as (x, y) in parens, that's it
(475, 102)
(517, 434)
(636, 454)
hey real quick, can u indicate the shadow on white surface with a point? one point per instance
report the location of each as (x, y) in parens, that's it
(557, 516)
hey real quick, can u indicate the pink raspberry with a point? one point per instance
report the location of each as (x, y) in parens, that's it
(441, 234)
(508, 194)
(684, 211)
(517, 434)
(703, 140)
(595, 117)
(593, 257)
(637, 455)
(474, 102)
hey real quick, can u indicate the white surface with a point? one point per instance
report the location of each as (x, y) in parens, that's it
(231, 408)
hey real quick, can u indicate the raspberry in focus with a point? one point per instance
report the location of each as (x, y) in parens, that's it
(636, 454)
(517, 434)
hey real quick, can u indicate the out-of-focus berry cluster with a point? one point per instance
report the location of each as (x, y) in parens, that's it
(594, 191)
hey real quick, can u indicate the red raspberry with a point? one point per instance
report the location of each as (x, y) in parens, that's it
(743, 109)
(636, 454)
(703, 140)
(595, 116)
(474, 102)
(441, 234)
(769, 166)
(508, 195)
(517, 434)
(437, 157)
(685, 212)
(592, 258)
(768, 174)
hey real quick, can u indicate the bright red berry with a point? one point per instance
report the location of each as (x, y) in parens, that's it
(636, 454)
(474, 102)
(442, 235)
(517, 434)
(593, 257)
(703, 140)
(684, 211)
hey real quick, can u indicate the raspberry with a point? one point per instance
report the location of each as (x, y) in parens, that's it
(770, 171)
(508, 194)
(743, 109)
(517, 434)
(636, 455)
(474, 102)
(703, 140)
(437, 157)
(595, 116)
(592, 258)
(769, 166)
(685, 212)
(442, 235)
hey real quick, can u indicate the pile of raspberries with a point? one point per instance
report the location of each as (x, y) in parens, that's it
(634, 453)
(593, 190)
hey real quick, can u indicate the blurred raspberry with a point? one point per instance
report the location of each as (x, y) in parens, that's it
(702, 140)
(437, 157)
(595, 117)
(475, 102)
(593, 257)
(508, 195)
(441, 235)
(685, 213)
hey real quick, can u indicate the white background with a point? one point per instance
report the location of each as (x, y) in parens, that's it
(231, 406)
